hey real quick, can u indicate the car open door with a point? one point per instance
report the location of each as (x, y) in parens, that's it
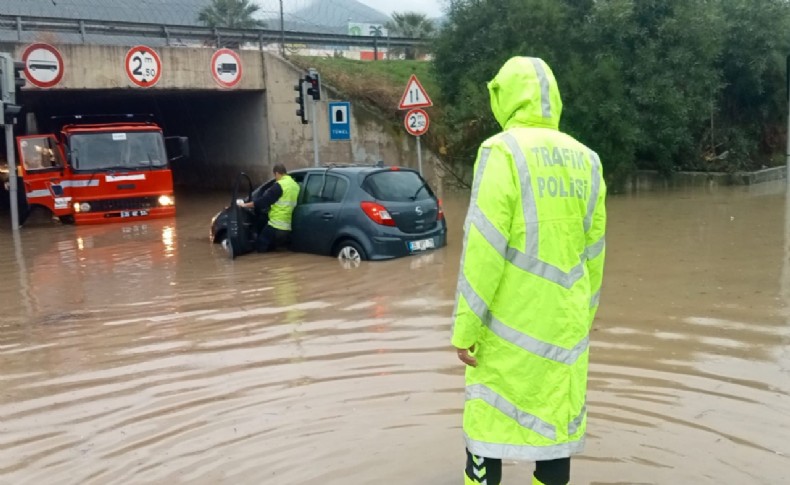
(45, 177)
(240, 222)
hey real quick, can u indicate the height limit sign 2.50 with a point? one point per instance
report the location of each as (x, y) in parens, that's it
(143, 66)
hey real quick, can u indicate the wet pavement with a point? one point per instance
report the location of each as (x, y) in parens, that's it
(138, 353)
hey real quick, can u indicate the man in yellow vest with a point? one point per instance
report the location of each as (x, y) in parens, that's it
(529, 283)
(279, 200)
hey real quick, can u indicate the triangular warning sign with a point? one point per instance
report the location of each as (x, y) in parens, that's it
(415, 95)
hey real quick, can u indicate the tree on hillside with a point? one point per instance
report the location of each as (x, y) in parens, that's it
(235, 14)
(665, 85)
(413, 25)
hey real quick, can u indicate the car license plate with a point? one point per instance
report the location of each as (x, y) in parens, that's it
(422, 245)
(134, 213)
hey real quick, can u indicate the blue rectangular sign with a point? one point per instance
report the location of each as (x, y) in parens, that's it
(340, 121)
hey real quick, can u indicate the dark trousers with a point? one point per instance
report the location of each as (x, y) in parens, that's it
(270, 239)
(549, 472)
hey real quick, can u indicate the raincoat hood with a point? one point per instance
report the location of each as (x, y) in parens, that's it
(525, 93)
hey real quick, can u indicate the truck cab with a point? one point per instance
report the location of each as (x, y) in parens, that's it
(99, 173)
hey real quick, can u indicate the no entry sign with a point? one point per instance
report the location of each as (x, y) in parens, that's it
(43, 65)
(226, 68)
(143, 66)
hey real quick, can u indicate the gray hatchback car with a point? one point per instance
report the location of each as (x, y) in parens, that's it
(356, 212)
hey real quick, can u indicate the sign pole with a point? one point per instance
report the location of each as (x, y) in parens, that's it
(12, 179)
(419, 154)
(315, 132)
(417, 120)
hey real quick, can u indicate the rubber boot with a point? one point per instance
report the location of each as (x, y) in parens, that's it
(480, 472)
(535, 481)
(470, 481)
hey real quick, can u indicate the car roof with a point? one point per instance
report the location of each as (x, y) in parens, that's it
(349, 169)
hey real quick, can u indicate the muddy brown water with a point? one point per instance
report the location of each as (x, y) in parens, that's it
(137, 353)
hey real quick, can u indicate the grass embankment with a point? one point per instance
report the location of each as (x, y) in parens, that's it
(378, 84)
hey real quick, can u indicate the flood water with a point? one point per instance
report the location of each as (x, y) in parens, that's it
(138, 353)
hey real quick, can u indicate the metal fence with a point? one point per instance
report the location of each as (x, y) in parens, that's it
(26, 28)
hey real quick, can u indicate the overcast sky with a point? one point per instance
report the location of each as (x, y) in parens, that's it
(433, 8)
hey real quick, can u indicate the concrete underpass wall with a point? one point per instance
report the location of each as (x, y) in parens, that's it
(290, 142)
(88, 66)
(227, 134)
(227, 128)
(247, 128)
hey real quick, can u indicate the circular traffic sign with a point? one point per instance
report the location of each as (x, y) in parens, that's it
(226, 68)
(143, 66)
(43, 65)
(417, 122)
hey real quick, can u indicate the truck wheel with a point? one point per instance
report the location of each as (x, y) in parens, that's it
(38, 215)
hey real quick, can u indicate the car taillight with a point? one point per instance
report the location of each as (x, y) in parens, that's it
(440, 216)
(377, 213)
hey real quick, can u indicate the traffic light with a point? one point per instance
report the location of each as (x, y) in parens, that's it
(301, 113)
(19, 75)
(11, 80)
(313, 80)
(12, 77)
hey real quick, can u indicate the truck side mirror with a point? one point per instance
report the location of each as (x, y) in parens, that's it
(183, 144)
(177, 147)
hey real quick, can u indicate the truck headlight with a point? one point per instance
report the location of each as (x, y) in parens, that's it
(82, 207)
(165, 200)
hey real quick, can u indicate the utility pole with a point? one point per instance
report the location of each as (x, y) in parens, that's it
(11, 81)
(787, 149)
(282, 30)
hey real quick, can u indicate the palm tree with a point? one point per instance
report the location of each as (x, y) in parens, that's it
(234, 14)
(413, 25)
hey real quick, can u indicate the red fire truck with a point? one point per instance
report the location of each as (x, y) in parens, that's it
(95, 173)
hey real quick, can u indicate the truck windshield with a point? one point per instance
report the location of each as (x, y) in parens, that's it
(117, 151)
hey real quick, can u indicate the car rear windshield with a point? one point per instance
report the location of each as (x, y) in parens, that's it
(397, 186)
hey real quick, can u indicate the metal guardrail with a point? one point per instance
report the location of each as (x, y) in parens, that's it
(22, 24)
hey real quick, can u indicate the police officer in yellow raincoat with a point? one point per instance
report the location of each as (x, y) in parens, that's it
(529, 283)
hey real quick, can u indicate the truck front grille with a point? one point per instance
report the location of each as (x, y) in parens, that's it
(132, 203)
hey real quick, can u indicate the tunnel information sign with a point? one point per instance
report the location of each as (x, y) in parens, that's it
(43, 65)
(226, 68)
(339, 121)
(143, 66)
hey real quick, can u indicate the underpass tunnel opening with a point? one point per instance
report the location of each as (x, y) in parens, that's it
(227, 130)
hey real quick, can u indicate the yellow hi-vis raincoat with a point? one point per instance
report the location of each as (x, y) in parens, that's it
(282, 210)
(530, 276)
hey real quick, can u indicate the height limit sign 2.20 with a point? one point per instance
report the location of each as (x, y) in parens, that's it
(416, 121)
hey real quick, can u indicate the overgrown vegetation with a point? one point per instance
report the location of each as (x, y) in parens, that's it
(236, 14)
(412, 25)
(655, 84)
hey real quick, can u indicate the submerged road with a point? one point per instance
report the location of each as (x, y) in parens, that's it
(137, 353)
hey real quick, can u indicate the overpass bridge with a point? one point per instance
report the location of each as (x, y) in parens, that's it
(236, 105)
